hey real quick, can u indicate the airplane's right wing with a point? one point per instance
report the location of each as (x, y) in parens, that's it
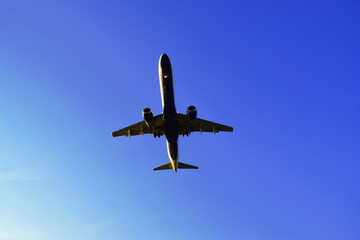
(142, 128)
(200, 125)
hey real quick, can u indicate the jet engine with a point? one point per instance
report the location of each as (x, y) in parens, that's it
(191, 113)
(147, 115)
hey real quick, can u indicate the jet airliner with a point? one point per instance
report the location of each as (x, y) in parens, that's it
(170, 123)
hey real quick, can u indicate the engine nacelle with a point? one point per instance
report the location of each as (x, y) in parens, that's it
(147, 115)
(191, 112)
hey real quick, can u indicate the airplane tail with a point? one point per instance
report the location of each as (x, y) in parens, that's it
(164, 167)
(186, 166)
(180, 166)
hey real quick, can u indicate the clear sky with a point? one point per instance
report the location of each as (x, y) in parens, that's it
(284, 74)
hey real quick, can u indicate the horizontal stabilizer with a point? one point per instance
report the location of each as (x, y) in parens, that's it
(164, 167)
(187, 166)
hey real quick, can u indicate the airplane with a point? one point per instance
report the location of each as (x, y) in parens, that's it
(170, 123)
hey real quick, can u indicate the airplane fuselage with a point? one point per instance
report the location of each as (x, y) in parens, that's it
(169, 110)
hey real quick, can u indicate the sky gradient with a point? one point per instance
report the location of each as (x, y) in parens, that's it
(284, 74)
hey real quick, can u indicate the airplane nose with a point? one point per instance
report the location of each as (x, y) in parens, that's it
(165, 65)
(164, 56)
(164, 60)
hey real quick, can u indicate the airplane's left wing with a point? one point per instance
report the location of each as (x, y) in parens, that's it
(200, 125)
(142, 128)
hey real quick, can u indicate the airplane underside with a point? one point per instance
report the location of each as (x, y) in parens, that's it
(170, 123)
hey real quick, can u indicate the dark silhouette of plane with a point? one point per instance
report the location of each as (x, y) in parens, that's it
(170, 123)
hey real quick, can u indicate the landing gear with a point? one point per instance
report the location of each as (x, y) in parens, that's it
(156, 135)
(187, 133)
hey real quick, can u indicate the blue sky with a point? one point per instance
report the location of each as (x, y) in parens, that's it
(284, 74)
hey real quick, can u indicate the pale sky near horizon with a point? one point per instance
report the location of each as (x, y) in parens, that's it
(284, 74)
